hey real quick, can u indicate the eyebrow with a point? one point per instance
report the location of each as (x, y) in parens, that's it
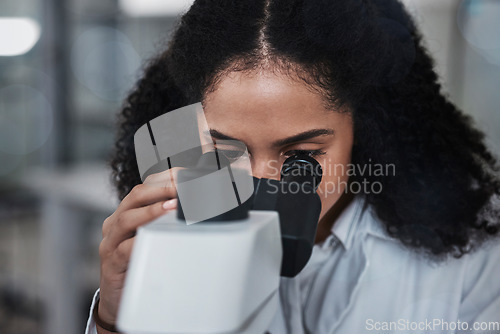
(310, 134)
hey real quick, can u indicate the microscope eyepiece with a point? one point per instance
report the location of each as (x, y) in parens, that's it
(302, 168)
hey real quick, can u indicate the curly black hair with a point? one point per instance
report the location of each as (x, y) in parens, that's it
(366, 53)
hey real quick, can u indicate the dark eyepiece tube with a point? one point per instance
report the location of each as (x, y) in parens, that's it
(294, 197)
(299, 207)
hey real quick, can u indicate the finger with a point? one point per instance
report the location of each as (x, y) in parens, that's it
(127, 222)
(144, 195)
(141, 195)
(121, 256)
(106, 226)
(166, 178)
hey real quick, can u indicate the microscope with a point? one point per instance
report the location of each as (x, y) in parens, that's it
(214, 264)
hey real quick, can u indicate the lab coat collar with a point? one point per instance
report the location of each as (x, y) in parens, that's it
(346, 225)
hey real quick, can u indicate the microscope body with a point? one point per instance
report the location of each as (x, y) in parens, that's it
(209, 277)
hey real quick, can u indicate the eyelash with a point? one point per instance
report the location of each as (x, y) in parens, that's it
(231, 154)
(311, 153)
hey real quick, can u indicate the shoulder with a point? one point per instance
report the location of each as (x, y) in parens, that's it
(479, 267)
(471, 282)
(482, 259)
(480, 300)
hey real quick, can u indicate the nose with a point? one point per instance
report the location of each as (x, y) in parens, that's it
(268, 168)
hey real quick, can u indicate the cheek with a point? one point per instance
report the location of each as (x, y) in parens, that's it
(334, 182)
(335, 167)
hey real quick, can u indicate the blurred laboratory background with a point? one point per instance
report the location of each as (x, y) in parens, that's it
(65, 68)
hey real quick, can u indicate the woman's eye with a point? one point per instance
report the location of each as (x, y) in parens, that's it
(311, 153)
(231, 154)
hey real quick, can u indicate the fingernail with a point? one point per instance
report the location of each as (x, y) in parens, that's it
(170, 204)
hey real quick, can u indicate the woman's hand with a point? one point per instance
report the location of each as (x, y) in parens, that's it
(146, 202)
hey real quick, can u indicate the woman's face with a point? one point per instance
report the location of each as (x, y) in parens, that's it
(274, 117)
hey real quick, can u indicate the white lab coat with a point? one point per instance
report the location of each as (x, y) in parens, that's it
(360, 280)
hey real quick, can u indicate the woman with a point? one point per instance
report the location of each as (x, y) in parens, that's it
(412, 247)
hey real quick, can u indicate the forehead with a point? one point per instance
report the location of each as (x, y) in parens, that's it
(266, 100)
